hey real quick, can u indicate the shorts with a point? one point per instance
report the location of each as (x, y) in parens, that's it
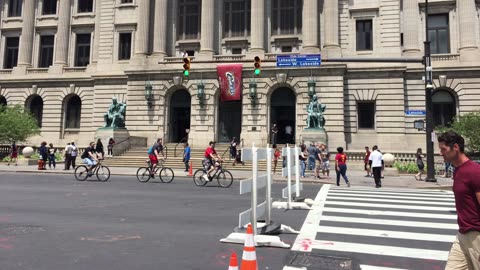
(14, 154)
(89, 161)
(153, 159)
(326, 165)
(207, 163)
(367, 166)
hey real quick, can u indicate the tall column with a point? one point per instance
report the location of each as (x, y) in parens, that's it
(466, 15)
(26, 40)
(141, 37)
(207, 28)
(96, 36)
(63, 33)
(310, 26)
(330, 12)
(160, 28)
(410, 27)
(257, 22)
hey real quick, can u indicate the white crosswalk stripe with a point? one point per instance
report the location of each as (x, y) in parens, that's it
(413, 228)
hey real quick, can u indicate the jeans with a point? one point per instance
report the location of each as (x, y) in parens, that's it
(343, 172)
(187, 167)
(311, 162)
(302, 168)
(51, 160)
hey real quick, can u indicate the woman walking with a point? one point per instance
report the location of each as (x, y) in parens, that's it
(303, 158)
(276, 156)
(51, 156)
(43, 152)
(111, 142)
(13, 153)
(341, 166)
(420, 164)
(99, 149)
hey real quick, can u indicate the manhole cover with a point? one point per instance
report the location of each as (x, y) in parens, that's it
(6, 229)
(321, 262)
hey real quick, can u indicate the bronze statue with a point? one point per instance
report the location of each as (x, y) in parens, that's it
(115, 116)
(315, 112)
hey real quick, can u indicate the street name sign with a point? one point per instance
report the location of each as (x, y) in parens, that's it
(299, 60)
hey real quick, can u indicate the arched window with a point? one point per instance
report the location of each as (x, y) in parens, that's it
(444, 108)
(3, 101)
(35, 106)
(283, 114)
(73, 111)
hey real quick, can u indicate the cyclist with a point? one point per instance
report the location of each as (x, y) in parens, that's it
(90, 158)
(154, 156)
(211, 160)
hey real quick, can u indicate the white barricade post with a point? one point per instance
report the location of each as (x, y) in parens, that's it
(287, 192)
(261, 210)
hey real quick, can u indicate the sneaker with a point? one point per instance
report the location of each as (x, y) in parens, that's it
(89, 174)
(348, 184)
(205, 177)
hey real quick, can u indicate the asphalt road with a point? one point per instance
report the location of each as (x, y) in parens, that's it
(54, 222)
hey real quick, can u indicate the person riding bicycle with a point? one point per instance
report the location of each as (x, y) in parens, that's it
(90, 158)
(154, 156)
(211, 160)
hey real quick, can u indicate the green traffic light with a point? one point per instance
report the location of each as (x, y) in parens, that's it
(257, 71)
(186, 73)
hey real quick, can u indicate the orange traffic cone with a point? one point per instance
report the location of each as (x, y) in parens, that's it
(190, 170)
(233, 262)
(249, 258)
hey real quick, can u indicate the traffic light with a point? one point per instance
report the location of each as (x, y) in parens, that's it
(257, 65)
(186, 66)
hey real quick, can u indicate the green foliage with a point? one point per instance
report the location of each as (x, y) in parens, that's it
(410, 167)
(16, 124)
(467, 125)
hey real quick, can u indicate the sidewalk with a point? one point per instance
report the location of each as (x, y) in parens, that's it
(356, 177)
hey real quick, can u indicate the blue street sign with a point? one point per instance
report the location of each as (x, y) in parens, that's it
(302, 60)
(415, 112)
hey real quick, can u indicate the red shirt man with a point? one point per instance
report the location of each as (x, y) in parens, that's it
(465, 251)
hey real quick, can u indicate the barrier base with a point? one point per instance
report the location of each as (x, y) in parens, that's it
(259, 240)
(293, 205)
(271, 229)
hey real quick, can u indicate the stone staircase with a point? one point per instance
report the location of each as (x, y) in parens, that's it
(137, 155)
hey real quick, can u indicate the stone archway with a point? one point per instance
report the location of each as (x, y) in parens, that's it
(34, 104)
(229, 120)
(283, 113)
(179, 111)
(72, 112)
(444, 107)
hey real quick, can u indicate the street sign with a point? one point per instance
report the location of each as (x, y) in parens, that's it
(415, 112)
(299, 60)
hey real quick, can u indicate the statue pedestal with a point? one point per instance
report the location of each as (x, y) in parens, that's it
(120, 135)
(314, 135)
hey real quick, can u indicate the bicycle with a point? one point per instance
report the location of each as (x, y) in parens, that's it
(101, 171)
(145, 173)
(224, 177)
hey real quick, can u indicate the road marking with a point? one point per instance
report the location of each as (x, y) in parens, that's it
(372, 267)
(391, 206)
(407, 197)
(110, 238)
(309, 228)
(381, 250)
(402, 223)
(381, 191)
(389, 213)
(397, 190)
(387, 234)
(342, 197)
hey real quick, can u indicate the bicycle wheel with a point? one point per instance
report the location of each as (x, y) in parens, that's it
(103, 173)
(81, 173)
(225, 179)
(198, 178)
(166, 175)
(143, 174)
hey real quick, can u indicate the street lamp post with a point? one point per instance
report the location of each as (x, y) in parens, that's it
(428, 103)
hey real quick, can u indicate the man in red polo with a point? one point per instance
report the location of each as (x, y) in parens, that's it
(465, 252)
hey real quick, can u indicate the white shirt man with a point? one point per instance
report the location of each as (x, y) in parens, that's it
(376, 163)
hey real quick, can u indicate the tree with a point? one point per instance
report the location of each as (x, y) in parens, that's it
(468, 125)
(16, 124)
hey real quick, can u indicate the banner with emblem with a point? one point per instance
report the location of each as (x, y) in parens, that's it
(230, 81)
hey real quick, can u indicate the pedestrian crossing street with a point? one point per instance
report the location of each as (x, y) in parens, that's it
(384, 228)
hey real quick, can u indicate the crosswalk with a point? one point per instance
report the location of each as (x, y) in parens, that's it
(381, 228)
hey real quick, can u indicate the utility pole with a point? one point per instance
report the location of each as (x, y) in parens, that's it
(428, 103)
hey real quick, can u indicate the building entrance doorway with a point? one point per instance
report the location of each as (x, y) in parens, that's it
(282, 113)
(229, 120)
(180, 108)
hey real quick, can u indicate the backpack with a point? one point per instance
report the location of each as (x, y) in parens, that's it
(85, 154)
(150, 150)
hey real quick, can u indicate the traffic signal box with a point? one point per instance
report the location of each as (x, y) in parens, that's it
(257, 65)
(186, 66)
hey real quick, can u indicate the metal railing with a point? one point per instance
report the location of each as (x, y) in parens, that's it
(183, 140)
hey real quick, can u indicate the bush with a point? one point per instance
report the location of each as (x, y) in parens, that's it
(467, 125)
(410, 167)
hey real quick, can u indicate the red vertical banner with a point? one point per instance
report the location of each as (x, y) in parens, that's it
(230, 81)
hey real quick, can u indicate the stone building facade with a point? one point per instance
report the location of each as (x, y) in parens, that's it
(65, 59)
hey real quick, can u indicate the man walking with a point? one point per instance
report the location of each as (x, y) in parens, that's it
(68, 156)
(465, 251)
(186, 156)
(375, 160)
